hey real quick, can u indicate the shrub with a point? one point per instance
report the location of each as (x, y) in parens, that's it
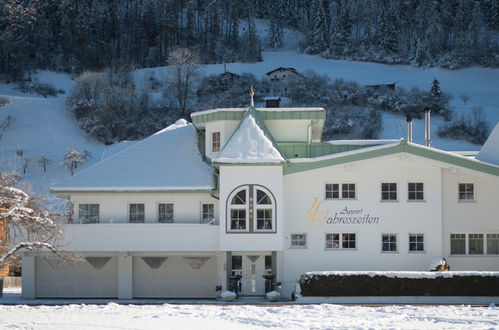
(472, 127)
(441, 284)
(43, 89)
(4, 100)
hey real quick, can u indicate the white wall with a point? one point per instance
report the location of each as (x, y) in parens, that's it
(401, 217)
(225, 127)
(291, 130)
(479, 216)
(114, 206)
(234, 176)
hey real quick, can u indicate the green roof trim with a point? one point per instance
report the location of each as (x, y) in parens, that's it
(403, 146)
(316, 149)
(264, 115)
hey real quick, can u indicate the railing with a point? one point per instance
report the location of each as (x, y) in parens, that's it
(142, 237)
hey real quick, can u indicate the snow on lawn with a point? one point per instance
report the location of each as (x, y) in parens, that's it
(43, 126)
(324, 316)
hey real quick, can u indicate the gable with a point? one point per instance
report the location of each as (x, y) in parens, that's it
(489, 152)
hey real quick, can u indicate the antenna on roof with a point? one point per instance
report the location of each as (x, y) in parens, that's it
(252, 93)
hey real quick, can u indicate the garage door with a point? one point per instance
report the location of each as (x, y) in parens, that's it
(175, 277)
(95, 277)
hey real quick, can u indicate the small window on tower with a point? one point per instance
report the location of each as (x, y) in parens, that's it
(215, 142)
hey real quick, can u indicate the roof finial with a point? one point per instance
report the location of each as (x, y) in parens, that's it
(252, 93)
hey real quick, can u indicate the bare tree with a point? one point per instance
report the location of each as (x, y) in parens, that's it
(26, 161)
(185, 72)
(44, 162)
(25, 223)
(465, 98)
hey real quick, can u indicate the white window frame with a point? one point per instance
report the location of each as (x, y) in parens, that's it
(238, 207)
(396, 243)
(212, 141)
(87, 203)
(409, 243)
(416, 191)
(466, 200)
(129, 213)
(157, 212)
(291, 246)
(487, 243)
(201, 219)
(340, 241)
(484, 245)
(340, 191)
(397, 191)
(465, 244)
(258, 207)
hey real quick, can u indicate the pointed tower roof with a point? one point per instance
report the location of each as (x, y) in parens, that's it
(251, 143)
(490, 150)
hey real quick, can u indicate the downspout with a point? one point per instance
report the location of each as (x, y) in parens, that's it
(215, 190)
(309, 138)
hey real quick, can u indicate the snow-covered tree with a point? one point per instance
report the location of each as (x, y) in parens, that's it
(44, 162)
(185, 72)
(72, 158)
(28, 225)
(435, 88)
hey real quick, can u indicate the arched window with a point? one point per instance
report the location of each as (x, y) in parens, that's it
(251, 208)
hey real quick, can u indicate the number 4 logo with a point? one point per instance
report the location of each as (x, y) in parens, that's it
(316, 216)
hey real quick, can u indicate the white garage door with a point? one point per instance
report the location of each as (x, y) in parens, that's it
(175, 277)
(96, 277)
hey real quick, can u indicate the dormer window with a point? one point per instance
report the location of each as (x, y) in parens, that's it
(251, 208)
(215, 142)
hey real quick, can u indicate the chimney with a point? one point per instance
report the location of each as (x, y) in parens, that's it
(409, 128)
(427, 139)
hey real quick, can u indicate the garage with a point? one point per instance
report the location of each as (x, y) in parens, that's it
(94, 277)
(175, 277)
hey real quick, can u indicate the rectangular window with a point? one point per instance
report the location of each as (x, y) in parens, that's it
(332, 190)
(299, 240)
(341, 240)
(343, 191)
(333, 241)
(237, 219)
(215, 142)
(136, 213)
(237, 266)
(264, 219)
(475, 243)
(466, 192)
(88, 213)
(348, 241)
(207, 213)
(416, 242)
(389, 242)
(416, 191)
(165, 212)
(457, 243)
(388, 191)
(492, 243)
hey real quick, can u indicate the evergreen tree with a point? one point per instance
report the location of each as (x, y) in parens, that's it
(275, 35)
(435, 88)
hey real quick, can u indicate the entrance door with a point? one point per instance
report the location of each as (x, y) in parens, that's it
(251, 267)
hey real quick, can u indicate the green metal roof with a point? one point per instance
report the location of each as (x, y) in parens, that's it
(403, 146)
(316, 149)
(267, 114)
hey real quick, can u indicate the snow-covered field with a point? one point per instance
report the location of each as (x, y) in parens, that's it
(169, 316)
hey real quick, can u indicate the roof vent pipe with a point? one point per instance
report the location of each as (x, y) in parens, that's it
(409, 128)
(427, 138)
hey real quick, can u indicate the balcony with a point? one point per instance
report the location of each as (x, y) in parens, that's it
(142, 237)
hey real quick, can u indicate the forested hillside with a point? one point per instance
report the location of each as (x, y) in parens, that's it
(79, 35)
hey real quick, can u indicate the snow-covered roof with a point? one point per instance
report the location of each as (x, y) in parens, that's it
(167, 160)
(250, 143)
(490, 150)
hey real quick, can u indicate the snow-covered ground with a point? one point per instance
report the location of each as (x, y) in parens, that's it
(184, 316)
(43, 125)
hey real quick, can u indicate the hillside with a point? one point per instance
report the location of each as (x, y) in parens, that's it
(43, 125)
